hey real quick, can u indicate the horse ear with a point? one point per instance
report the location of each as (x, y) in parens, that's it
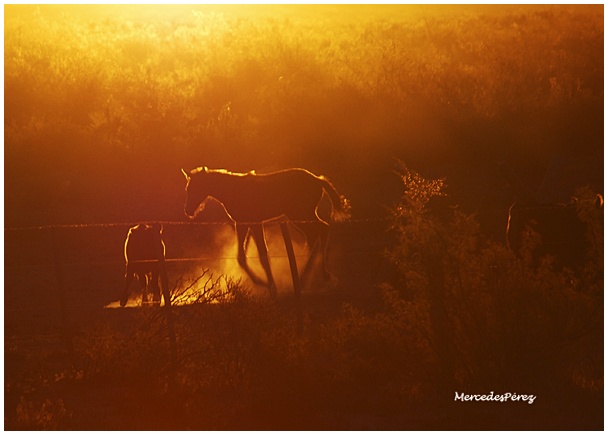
(185, 174)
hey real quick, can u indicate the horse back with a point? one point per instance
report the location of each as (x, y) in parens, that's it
(144, 243)
(292, 192)
(562, 233)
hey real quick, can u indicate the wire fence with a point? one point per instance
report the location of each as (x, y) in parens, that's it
(186, 223)
(59, 248)
(54, 240)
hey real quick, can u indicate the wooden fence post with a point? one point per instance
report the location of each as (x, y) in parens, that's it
(295, 279)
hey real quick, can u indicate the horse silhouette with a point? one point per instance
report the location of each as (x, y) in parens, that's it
(251, 200)
(564, 231)
(550, 221)
(143, 248)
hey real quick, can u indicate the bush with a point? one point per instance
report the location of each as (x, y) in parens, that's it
(494, 320)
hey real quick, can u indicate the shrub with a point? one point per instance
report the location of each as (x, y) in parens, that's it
(494, 320)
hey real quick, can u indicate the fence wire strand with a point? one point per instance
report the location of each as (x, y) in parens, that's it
(124, 225)
(185, 223)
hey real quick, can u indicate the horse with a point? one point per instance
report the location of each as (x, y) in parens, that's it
(251, 200)
(143, 248)
(567, 232)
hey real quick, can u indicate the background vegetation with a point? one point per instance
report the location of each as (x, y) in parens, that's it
(102, 109)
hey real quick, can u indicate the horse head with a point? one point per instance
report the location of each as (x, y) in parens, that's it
(195, 191)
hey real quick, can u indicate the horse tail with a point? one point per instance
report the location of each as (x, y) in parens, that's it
(341, 207)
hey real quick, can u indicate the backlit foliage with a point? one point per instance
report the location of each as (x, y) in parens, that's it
(118, 96)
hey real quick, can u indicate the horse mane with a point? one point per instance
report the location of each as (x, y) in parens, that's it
(221, 171)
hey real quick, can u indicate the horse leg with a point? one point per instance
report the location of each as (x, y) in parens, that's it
(129, 276)
(317, 240)
(312, 238)
(258, 235)
(324, 233)
(143, 277)
(242, 233)
(156, 290)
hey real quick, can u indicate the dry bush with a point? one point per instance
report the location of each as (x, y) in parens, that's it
(495, 321)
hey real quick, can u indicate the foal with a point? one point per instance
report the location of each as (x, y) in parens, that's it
(144, 247)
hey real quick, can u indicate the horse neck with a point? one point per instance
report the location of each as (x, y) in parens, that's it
(222, 186)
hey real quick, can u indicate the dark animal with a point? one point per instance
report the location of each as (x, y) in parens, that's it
(252, 199)
(566, 232)
(144, 247)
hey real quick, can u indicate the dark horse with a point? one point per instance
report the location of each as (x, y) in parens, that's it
(567, 232)
(144, 247)
(252, 199)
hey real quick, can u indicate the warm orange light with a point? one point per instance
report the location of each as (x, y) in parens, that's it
(316, 12)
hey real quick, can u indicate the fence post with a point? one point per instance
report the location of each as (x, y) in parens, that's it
(295, 279)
